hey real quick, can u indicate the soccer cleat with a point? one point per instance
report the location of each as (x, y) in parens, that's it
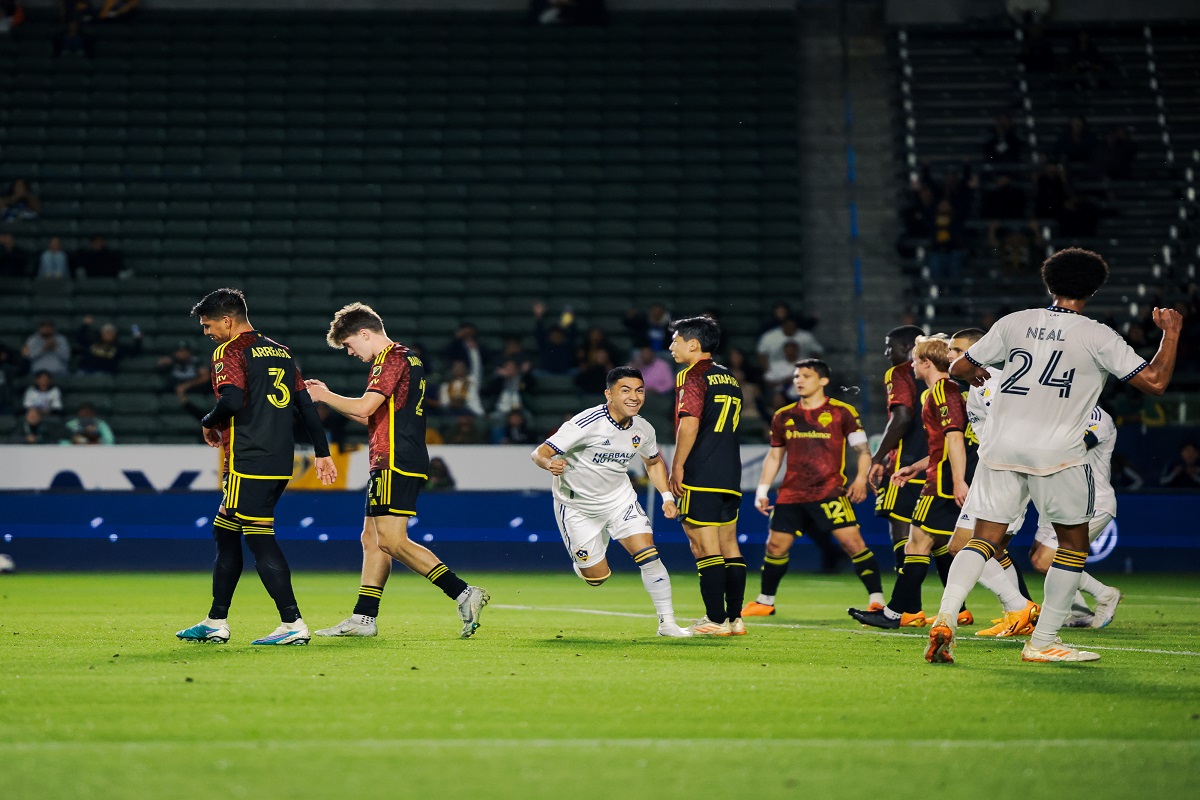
(1079, 619)
(965, 617)
(351, 627)
(737, 627)
(875, 607)
(1015, 623)
(1106, 607)
(203, 632)
(287, 633)
(469, 609)
(1056, 652)
(941, 642)
(672, 630)
(706, 627)
(756, 609)
(878, 619)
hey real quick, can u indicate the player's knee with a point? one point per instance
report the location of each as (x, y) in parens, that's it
(851, 541)
(593, 576)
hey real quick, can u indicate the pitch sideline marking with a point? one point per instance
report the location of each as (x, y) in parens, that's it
(860, 632)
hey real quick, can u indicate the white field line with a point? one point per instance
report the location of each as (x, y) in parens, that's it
(859, 631)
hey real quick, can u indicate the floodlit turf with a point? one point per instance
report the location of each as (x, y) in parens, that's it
(99, 700)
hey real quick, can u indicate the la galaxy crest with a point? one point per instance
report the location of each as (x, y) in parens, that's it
(637, 440)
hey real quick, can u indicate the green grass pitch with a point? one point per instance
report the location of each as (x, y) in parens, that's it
(99, 700)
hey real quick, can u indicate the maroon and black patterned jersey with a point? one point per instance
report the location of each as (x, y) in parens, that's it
(945, 410)
(903, 390)
(709, 393)
(258, 439)
(815, 439)
(396, 429)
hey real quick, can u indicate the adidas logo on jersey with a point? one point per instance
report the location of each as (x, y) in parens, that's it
(606, 443)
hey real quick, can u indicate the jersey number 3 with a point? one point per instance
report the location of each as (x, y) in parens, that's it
(281, 397)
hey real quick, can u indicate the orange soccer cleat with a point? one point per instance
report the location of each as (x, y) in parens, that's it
(756, 609)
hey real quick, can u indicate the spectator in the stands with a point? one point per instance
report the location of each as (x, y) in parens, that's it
(592, 380)
(459, 394)
(515, 430)
(1184, 471)
(183, 371)
(34, 428)
(1077, 143)
(1051, 191)
(98, 260)
(509, 386)
(595, 339)
(20, 202)
(11, 15)
(772, 357)
(438, 477)
(466, 431)
(101, 352)
(465, 347)
(14, 262)
(1002, 145)
(777, 383)
(52, 265)
(48, 350)
(650, 328)
(1003, 199)
(556, 343)
(657, 376)
(87, 428)
(1115, 156)
(1018, 248)
(43, 395)
(947, 245)
(779, 312)
(918, 215)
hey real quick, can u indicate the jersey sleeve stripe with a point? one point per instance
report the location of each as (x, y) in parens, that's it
(967, 356)
(1135, 372)
(550, 444)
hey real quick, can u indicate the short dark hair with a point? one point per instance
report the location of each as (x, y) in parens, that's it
(816, 365)
(349, 320)
(704, 330)
(617, 373)
(972, 335)
(221, 303)
(905, 335)
(1074, 273)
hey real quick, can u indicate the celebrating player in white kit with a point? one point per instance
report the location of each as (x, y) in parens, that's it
(1057, 361)
(594, 502)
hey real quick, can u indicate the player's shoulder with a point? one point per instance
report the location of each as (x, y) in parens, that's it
(788, 410)
(589, 417)
(233, 346)
(843, 406)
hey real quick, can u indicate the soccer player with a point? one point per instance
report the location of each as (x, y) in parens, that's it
(903, 436)
(706, 475)
(1057, 362)
(1101, 440)
(392, 407)
(258, 387)
(593, 498)
(944, 416)
(814, 434)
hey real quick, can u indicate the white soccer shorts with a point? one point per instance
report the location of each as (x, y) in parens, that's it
(1046, 536)
(966, 519)
(1067, 497)
(586, 536)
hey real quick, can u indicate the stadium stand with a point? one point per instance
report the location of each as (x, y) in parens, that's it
(441, 167)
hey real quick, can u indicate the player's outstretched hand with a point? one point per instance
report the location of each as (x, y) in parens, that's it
(1168, 320)
(875, 476)
(212, 437)
(557, 466)
(669, 509)
(763, 504)
(857, 491)
(326, 470)
(317, 390)
(960, 492)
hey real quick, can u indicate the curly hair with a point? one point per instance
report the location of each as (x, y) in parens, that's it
(1074, 273)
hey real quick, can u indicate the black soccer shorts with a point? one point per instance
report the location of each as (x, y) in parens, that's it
(823, 516)
(897, 502)
(936, 515)
(251, 499)
(709, 506)
(392, 493)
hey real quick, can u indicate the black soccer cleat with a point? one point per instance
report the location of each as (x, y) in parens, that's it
(876, 619)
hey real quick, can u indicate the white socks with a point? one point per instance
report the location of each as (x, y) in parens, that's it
(766, 599)
(874, 597)
(215, 623)
(996, 580)
(1092, 586)
(1061, 585)
(658, 585)
(965, 572)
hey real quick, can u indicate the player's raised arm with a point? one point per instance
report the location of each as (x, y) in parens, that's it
(1156, 376)
(964, 369)
(317, 390)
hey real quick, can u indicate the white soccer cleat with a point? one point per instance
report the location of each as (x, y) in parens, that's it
(706, 627)
(737, 627)
(469, 609)
(295, 633)
(356, 625)
(1106, 607)
(1057, 651)
(673, 630)
(207, 630)
(1079, 619)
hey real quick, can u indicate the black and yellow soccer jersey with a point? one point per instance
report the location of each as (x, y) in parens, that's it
(708, 391)
(903, 389)
(258, 440)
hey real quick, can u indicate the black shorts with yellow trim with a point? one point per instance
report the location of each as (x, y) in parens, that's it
(393, 493)
(898, 502)
(936, 514)
(823, 516)
(701, 506)
(251, 499)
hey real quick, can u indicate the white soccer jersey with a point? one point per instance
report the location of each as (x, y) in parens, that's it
(598, 453)
(1055, 364)
(979, 402)
(1099, 458)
